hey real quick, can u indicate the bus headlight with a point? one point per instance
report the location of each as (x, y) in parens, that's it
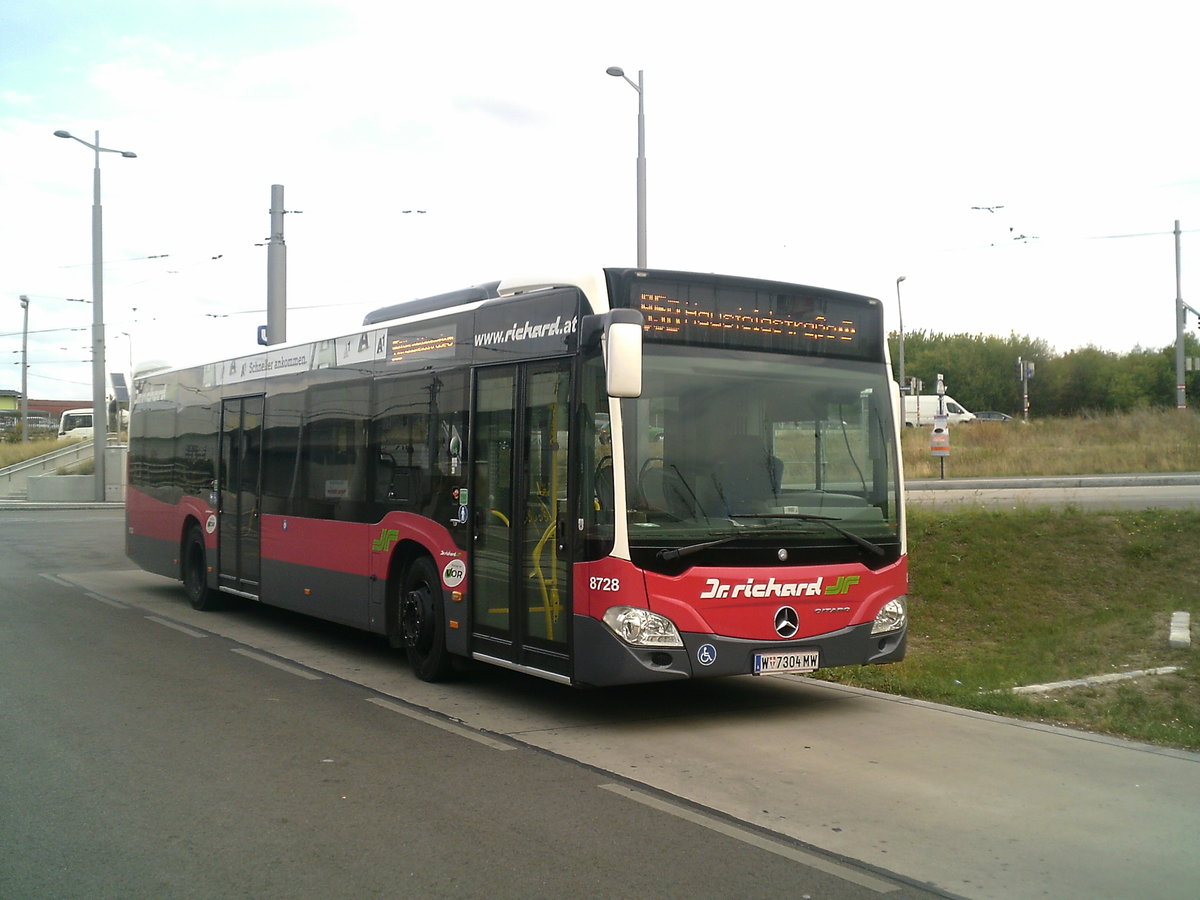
(642, 628)
(892, 617)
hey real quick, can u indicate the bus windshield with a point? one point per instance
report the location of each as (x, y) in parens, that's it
(746, 446)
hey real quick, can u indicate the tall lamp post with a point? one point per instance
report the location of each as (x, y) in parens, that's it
(900, 314)
(618, 72)
(99, 406)
(25, 372)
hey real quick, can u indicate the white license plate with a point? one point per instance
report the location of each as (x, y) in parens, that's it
(793, 661)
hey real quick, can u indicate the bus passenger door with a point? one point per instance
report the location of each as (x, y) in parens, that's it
(520, 575)
(239, 483)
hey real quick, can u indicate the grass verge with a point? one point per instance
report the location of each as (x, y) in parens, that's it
(1030, 596)
(1142, 441)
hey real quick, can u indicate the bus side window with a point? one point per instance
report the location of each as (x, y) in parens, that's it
(334, 452)
(281, 451)
(415, 420)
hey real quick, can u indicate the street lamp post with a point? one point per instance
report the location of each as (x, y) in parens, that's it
(25, 372)
(618, 72)
(99, 405)
(900, 314)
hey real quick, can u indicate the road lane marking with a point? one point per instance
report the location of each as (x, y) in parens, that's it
(282, 666)
(190, 632)
(460, 730)
(754, 839)
(107, 600)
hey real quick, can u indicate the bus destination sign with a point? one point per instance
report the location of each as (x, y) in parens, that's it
(820, 323)
(671, 316)
(407, 342)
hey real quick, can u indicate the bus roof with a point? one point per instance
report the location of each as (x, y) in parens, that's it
(593, 285)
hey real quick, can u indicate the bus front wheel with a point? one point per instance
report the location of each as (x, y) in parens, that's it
(195, 572)
(422, 628)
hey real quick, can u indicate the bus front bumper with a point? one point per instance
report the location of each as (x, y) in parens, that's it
(602, 659)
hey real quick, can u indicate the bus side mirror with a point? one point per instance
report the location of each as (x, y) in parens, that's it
(623, 352)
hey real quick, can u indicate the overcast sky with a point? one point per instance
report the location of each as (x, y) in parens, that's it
(840, 145)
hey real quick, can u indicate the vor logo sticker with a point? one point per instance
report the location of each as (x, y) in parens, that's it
(454, 573)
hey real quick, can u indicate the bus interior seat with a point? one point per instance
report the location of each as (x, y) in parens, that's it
(748, 478)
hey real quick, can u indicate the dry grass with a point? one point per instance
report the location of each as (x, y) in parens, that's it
(15, 452)
(1118, 443)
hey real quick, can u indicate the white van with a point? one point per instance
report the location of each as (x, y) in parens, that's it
(920, 410)
(75, 423)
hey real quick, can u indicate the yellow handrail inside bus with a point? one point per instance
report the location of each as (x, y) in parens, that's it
(551, 602)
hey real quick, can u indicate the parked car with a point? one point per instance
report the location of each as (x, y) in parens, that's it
(990, 415)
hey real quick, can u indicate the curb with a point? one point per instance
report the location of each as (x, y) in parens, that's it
(1052, 481)
(64, 504)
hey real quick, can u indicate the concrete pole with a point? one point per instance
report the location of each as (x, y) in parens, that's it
(900, 315)
(641, 176)
(25, 372)
(99, 399)
(618, 72)
(1180, 317)
(276, 272)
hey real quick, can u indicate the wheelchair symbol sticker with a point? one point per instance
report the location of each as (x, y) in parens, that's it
(706, 655)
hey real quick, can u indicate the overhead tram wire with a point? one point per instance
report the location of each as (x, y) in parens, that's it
(1055, 239)
(113, 262)
(1108, 237)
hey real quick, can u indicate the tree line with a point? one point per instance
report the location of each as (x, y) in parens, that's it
(981, 372)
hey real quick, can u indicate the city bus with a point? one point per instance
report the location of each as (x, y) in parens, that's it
(630, 476)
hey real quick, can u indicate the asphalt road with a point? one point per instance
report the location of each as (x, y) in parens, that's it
(147, 754)
(164, 752)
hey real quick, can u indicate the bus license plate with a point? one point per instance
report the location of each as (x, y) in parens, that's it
(796, 661)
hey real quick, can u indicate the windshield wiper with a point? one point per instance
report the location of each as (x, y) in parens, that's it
(676, 552)
(827, 521)
(689, 549)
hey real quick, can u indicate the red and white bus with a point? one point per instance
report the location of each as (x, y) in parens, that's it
(633, 476)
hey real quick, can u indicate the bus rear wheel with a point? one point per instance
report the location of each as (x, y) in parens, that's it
(422, 628)
(195, 572)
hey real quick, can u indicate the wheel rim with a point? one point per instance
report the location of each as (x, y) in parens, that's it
(416, 618)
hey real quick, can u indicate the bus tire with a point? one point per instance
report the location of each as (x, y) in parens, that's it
(422, 621)
(195, 572)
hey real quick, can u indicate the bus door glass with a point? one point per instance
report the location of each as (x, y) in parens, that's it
(239, 483)
(520, 556)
